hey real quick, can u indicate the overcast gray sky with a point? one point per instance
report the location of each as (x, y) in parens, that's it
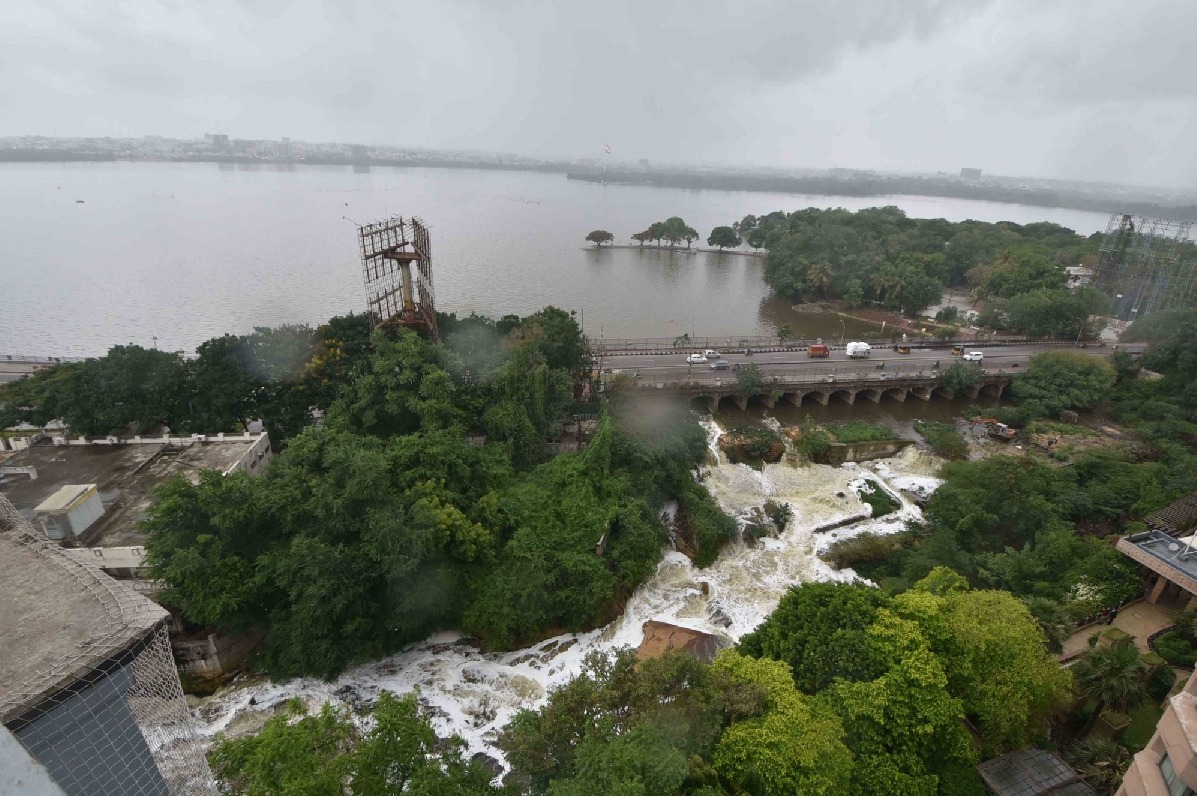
(1083, 89)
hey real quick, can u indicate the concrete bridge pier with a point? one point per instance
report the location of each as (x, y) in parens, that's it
(898, 393)
(822, 396)
(922, 393)
(794, 398)
(848, 395)
(873, 395)
(974, 391)
(769, 399)
(741, 401)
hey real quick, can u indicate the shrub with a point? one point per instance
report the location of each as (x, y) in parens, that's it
(1160, 682)
(814, 440)
(859, 431)
(865, 548)
(943, 439)
(875, 496)
(1176, 650)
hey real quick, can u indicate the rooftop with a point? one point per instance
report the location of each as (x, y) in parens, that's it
(1031, 771)
(61, 618)
(123, 474)
(1178, 517)
(1173, 558)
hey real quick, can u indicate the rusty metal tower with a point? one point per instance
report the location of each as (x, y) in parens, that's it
(397, 271)
(1146, 265)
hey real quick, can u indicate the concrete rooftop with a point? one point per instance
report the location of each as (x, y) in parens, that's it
(1165, 555)
(123, 473)
(60, 619)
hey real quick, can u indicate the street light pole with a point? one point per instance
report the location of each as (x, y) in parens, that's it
(843, 331)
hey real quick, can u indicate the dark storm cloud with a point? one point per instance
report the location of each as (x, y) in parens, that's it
(1096, 90)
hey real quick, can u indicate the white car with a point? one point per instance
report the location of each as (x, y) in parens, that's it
(697, 357)
(975, 357)
(711, 354)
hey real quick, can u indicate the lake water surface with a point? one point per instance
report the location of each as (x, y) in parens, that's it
(185, 252)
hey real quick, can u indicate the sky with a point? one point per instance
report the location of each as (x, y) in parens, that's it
(1080, 89)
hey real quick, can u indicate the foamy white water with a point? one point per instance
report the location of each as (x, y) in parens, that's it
(474, 694)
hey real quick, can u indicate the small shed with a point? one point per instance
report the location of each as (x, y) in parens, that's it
(69, 511)
(1031, 771)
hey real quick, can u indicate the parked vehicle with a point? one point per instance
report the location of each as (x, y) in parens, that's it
(858, 349)
(697, 357)
(721, 365)
(819, 350)
(711, 354)
(1002, 432)
(974, 357)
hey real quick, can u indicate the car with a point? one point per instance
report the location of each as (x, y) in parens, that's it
(721, 365)
(711, 354)
(697, 357)
(974, 357)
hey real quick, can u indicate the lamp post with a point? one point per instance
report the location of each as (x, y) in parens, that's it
(843, 331)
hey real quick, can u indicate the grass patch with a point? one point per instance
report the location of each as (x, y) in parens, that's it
(862, 550)
(1044, 427)
(943, 439)
(873, 495)
(859, 432)
(1143, 721)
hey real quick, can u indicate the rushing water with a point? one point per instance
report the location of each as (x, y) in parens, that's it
(185, 252)
(475, 694)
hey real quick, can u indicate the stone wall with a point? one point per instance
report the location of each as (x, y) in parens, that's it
(840, 453)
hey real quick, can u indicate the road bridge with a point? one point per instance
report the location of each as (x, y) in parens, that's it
(822, 385)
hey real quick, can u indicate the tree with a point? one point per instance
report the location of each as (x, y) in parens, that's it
(903, 727)
(756, 238)
(723, 237)
(600, 237)
(326, 754)
(1064, 380)
(995, 658)
(819, 629)
(1113, 676)
(784, 333)
(1100, 762)
(920, 291)
(750, 380)
(689, 235)
(795, 748)
(959, 377)
(641, 237)
(819, 275)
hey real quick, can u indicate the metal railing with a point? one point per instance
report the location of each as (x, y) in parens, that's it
(613, 346)
(781, 378)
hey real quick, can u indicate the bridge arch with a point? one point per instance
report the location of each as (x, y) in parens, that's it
(847, 395)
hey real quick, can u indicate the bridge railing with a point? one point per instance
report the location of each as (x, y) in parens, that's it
(611, 346)
(784, 377)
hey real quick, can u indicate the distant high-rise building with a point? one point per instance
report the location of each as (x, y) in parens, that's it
(218, 140)
(970, 174)
(358, 153)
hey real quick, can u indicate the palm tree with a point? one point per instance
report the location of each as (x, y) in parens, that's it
(819, 275)
(1100, 762)
(1113, 676)
(880, 284)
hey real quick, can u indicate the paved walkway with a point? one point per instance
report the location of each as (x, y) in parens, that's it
(1140, 619)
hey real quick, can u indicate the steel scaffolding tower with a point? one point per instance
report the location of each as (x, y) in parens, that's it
(395, 292)
(1146, 265)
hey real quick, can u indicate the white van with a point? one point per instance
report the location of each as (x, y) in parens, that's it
(858, 349)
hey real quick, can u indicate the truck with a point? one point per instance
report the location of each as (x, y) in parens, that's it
(819, 350)
(858, 349)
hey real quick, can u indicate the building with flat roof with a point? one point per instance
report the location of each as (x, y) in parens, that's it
(1167, 553)
(44, 475)
(1168, 763)
(88, 685)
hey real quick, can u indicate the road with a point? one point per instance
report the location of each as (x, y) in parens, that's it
(917, 360)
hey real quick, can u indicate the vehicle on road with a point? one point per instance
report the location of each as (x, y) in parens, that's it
(711, 354)
(902, 349)
(819, 350)
(858, 349)
(957, 350)
(697, 357)
(721, 365)
(974, 357)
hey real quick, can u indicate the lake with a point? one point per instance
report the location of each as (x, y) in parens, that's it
(178, 253)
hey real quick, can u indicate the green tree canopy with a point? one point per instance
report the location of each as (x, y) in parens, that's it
(723, 237)
(1064, 380)
(599, 237)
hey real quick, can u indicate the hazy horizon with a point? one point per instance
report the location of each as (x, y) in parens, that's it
(1075, 91)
